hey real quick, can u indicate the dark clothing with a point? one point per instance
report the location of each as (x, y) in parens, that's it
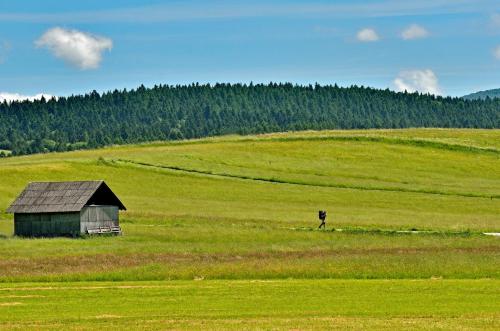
(322, 217)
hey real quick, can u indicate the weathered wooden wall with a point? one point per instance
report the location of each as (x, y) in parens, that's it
(65, 224)
(47, 224)
(92, 217)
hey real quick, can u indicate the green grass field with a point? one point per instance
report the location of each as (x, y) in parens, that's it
(221, 233)
(292, 304)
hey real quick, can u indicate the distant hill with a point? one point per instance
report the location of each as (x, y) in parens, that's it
(193, 111)
(481, 95)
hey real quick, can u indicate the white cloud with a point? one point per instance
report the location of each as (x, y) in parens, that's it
(414, 31)
(76, 48)
(10, 97)
(367, 35)
(495, 19)
(424, 81)
(496, 52)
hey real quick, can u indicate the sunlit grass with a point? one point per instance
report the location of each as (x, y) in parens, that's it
(233, 207)
(287, 304)
(220, 233)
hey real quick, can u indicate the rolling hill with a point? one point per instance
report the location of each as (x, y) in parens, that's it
(242, 195)
(218, 223)
(492, 94)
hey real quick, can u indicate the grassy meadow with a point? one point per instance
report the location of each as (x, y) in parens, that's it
(246, 304)
(227, 222)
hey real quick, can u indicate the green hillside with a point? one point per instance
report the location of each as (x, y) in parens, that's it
(239, 215)
(236, 195)
(495, 93)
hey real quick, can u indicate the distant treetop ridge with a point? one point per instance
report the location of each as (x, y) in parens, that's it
(483, 95)
(193, 111)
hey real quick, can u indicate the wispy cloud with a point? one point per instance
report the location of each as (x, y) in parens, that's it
(76, 48)
(495, 19)
(367, 35)
(325, 30)
(496, 52)
(10, 97)
(414, 31)
(4, 50)
(179, 11)
(424, 81)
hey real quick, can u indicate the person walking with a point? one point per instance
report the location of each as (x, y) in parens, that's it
(322, 217)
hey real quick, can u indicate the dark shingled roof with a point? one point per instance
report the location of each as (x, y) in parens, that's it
(60, 197)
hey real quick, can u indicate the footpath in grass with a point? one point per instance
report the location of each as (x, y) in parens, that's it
(290, 304)
(226, 249)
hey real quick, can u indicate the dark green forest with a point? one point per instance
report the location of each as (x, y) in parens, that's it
(495, 93)
(181, 112)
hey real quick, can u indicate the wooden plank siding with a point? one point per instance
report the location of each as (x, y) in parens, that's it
(92, 217)
(47, 224)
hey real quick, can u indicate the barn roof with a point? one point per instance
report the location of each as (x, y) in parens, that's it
(59, 197)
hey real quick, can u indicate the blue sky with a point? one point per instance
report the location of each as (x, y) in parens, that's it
(72, 47)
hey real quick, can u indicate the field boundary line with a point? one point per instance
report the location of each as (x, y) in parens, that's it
(417, 142)
(408, 141)
(281, 181)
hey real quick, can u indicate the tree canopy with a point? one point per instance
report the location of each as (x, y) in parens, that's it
(166, 112)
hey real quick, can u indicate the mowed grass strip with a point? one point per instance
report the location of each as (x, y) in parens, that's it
(299, 182)
(302, 304)
(349, 162)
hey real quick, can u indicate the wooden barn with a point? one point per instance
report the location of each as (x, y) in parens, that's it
(49, 209)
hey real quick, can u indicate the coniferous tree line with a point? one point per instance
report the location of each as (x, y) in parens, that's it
(181, 112)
